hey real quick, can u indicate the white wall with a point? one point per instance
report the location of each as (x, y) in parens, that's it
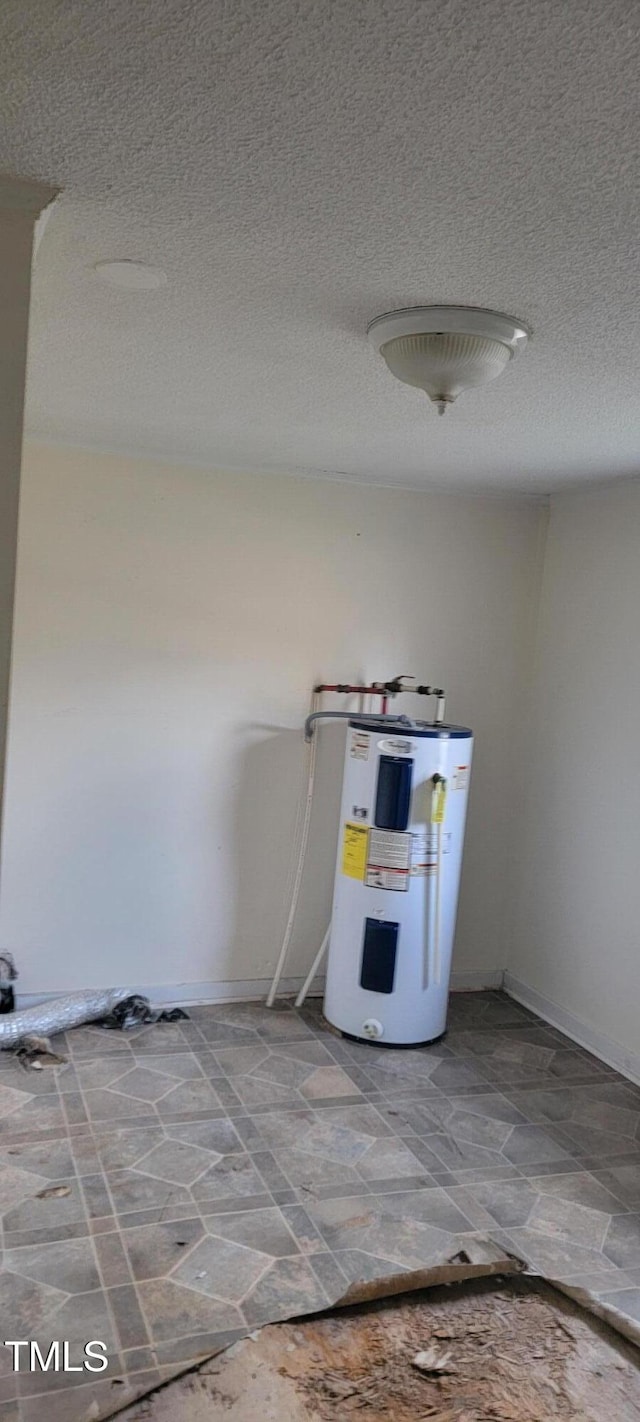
(170, 623)
(576, 938)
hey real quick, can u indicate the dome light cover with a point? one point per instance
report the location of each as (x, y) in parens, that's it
(444, 350)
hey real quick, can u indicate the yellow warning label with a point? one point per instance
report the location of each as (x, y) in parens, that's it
(354, 850)
(438, 803)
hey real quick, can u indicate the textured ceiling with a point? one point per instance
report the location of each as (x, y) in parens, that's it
(297, 167)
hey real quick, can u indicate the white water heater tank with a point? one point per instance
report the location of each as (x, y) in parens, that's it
(402, 821)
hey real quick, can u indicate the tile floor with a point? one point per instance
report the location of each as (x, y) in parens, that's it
(246, 1165)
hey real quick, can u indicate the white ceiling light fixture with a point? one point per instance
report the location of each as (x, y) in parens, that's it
(444, 350)
(130, 275)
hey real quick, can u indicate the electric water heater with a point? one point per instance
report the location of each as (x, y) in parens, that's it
(402, 821)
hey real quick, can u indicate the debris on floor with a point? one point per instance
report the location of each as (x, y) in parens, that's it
(25, 1031)
(488, 1351)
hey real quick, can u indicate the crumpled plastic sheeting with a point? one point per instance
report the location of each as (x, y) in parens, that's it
(59, 1014)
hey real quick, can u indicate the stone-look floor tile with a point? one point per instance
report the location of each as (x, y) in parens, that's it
(70, 1404)
(12, 1097)
(170, 1211)
(280, 1033)
(308, 1144)
(94, 1042)
(622, 1241)
(85, 1316)
(98, 1073)
(312, 1172)
(175, 1161)
(327, 1082)
(163, 1038)
(223, 1034)
(467, 1125)
(222, 1269)
(112, 1259)
(361, 1268)
(252, 1091)
(155, 1250)
(195, 1348)
(581, 1188)
(16, 1184)
(32, 1121)
(27, 1305)
(463, 1198)
(305, 1050)
(264, 1230)
(363, 1222)
(230, 1178)
(624, 1301)
(283, 1071)
(308, 1238)
(130, 1324)
(85, 1154)
(387, 1159)
(240, 1061)
(137, 1359)
(144, 1084)
(48, 1212)
(96, 1196)
(51, 1159)
(433, 1206)
(509, 1202)
(456, 1076)
(557, 1258)
(564, 1219)
(248, 1132)
(174, 1311)
(68, 1265)
(623, 1180)
(530, 1144)
(458, 1154)
(494, 1106)
(182, 1066)
(106, 1105)
(339, 1143)
(122, 1148)
(218, 1137)
(269, 1170)
(329, 1273)
(287, 1289)
(283, 1128)
(131, 1191)
(186, 1099)
(74, 1108)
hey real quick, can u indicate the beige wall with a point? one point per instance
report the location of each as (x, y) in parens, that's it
(21, 201)
(576, 938)
(170, 623)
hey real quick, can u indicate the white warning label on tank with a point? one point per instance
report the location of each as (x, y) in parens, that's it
(389, 860)
(424, 853)
(460, 777)
(360, 743)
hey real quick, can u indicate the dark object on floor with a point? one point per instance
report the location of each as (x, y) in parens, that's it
(135, 1011)
(36, 1052)
(8, 975)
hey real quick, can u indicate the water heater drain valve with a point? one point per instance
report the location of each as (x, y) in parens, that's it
(372, 1028)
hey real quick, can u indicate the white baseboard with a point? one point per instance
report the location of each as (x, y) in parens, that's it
(609, 1051)
(251, 989)
(480, 980)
